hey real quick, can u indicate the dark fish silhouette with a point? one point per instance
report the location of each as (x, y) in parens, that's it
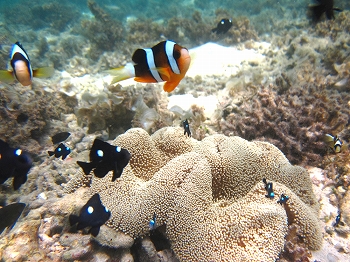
(223, 26)
(323, 6)
(269, 189)
(60, 137)
(283, 199)
(14, 163)
(104, 158)
(93, 214)
(10, 214)
(187, 128)
(60, 151)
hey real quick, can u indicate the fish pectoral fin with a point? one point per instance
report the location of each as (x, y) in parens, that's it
(6, 76)
(18, 181)
(164, 71)
(94, 231)
(43, 72)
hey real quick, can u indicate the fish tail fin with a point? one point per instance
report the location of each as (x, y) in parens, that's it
(170, 86)
(94, 231)
(43, 72)
(87, 167)
(6, 76)
(51, 153)
(122, 73)
(73, 219)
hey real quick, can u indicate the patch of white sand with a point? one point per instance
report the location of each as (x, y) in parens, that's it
(209, 103)
(213, 59)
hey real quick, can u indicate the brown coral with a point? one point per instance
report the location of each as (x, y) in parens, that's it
(188, 185)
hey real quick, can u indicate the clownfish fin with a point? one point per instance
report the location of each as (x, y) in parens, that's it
(6, 76)
(170, 86)
(43, 72)
(122, 73)
(164, 71)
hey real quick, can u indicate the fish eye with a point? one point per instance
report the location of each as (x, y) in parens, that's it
(99, 153)
(59, 149)
(90, 210)
(118, 149)
(18, 152)
(176, 54)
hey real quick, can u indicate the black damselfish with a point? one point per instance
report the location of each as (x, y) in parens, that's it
(223, 26)
(104, 158)
(14, 163)
(60, 151)
(60, 137)
(10, 214)
(283, 199)
(323, 6)
(269, 189)
(93, 214)
(187, 128)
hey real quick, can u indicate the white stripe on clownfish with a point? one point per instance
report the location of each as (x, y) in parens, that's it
(169, 49)
(152, 65)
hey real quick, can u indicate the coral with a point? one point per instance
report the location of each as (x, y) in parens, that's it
(281, 120)
(209, 195)
(104, 32)
(25, 116)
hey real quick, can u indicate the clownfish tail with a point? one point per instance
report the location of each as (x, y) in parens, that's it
(122, 73)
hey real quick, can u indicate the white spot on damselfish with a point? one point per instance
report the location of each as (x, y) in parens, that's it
(18, 152)
(118, 149)
(106, 209)
(99, 153)
(90, 210)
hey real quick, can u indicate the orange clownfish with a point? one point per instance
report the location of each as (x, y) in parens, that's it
(21, 68)
(166, 61)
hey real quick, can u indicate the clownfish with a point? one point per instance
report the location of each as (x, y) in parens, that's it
(334, 143)
(21, 68)
(166, 61)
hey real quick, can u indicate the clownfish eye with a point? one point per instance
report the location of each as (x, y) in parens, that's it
(176, 54)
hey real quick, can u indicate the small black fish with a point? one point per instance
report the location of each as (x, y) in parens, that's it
(10, 214)
(153, 222)
(60, 137)
(93, 214)
(60, 151)
(187, 128)
(14, 163)
(337, 219)
(223, 26)
(104, 158)
(323, 6)
(283, 199)
(269, 189)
